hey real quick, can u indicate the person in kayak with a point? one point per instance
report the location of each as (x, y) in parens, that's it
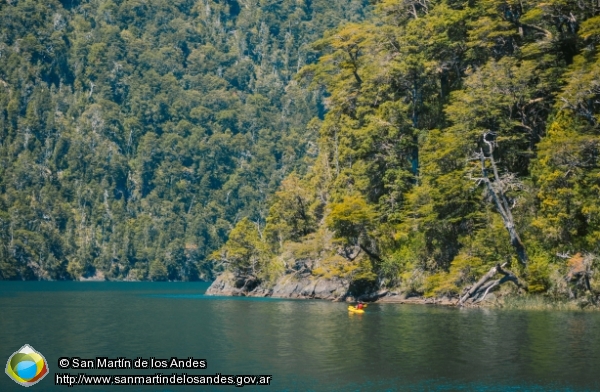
(359, 305)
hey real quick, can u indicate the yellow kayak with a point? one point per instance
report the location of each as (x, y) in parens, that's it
(354, 310)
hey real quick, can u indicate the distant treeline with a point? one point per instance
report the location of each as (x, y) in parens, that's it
(134, 134)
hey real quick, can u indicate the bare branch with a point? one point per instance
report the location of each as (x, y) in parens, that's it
(497, 190)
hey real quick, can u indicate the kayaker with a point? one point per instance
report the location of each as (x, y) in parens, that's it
(359, 305)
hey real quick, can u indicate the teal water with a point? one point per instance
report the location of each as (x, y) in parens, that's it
(304, 345)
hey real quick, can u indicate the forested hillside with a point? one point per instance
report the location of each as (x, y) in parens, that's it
(459, 136)
(134, 134)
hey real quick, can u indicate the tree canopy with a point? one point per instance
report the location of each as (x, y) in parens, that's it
(458, 136)
(134, 135)
(409, 144)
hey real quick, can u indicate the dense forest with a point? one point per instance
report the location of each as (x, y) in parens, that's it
(399, 144)
(134, 134)
(461, 140)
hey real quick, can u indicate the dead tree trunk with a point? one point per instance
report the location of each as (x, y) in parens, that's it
(485, 285)
(497, 192)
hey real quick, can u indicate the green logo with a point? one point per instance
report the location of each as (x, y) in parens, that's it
(27, 366)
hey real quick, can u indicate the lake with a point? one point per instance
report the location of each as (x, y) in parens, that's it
(304, 345)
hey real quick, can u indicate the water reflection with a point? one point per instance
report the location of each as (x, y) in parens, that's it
(305, 345)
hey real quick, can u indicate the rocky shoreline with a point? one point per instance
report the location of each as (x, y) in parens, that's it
(288, 286)
(296, 286)
(309, 287)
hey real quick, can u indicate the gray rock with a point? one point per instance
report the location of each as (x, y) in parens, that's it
(330, 288)
(97, 277)
(223, 285)
(260, 292)
(285, 287)
(288, 286)
(309, 287)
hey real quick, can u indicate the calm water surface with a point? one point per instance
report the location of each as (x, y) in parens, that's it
(305, 345)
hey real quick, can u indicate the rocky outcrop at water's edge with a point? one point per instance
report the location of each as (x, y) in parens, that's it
(310, 287)
(288, 286)
(306, 287)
